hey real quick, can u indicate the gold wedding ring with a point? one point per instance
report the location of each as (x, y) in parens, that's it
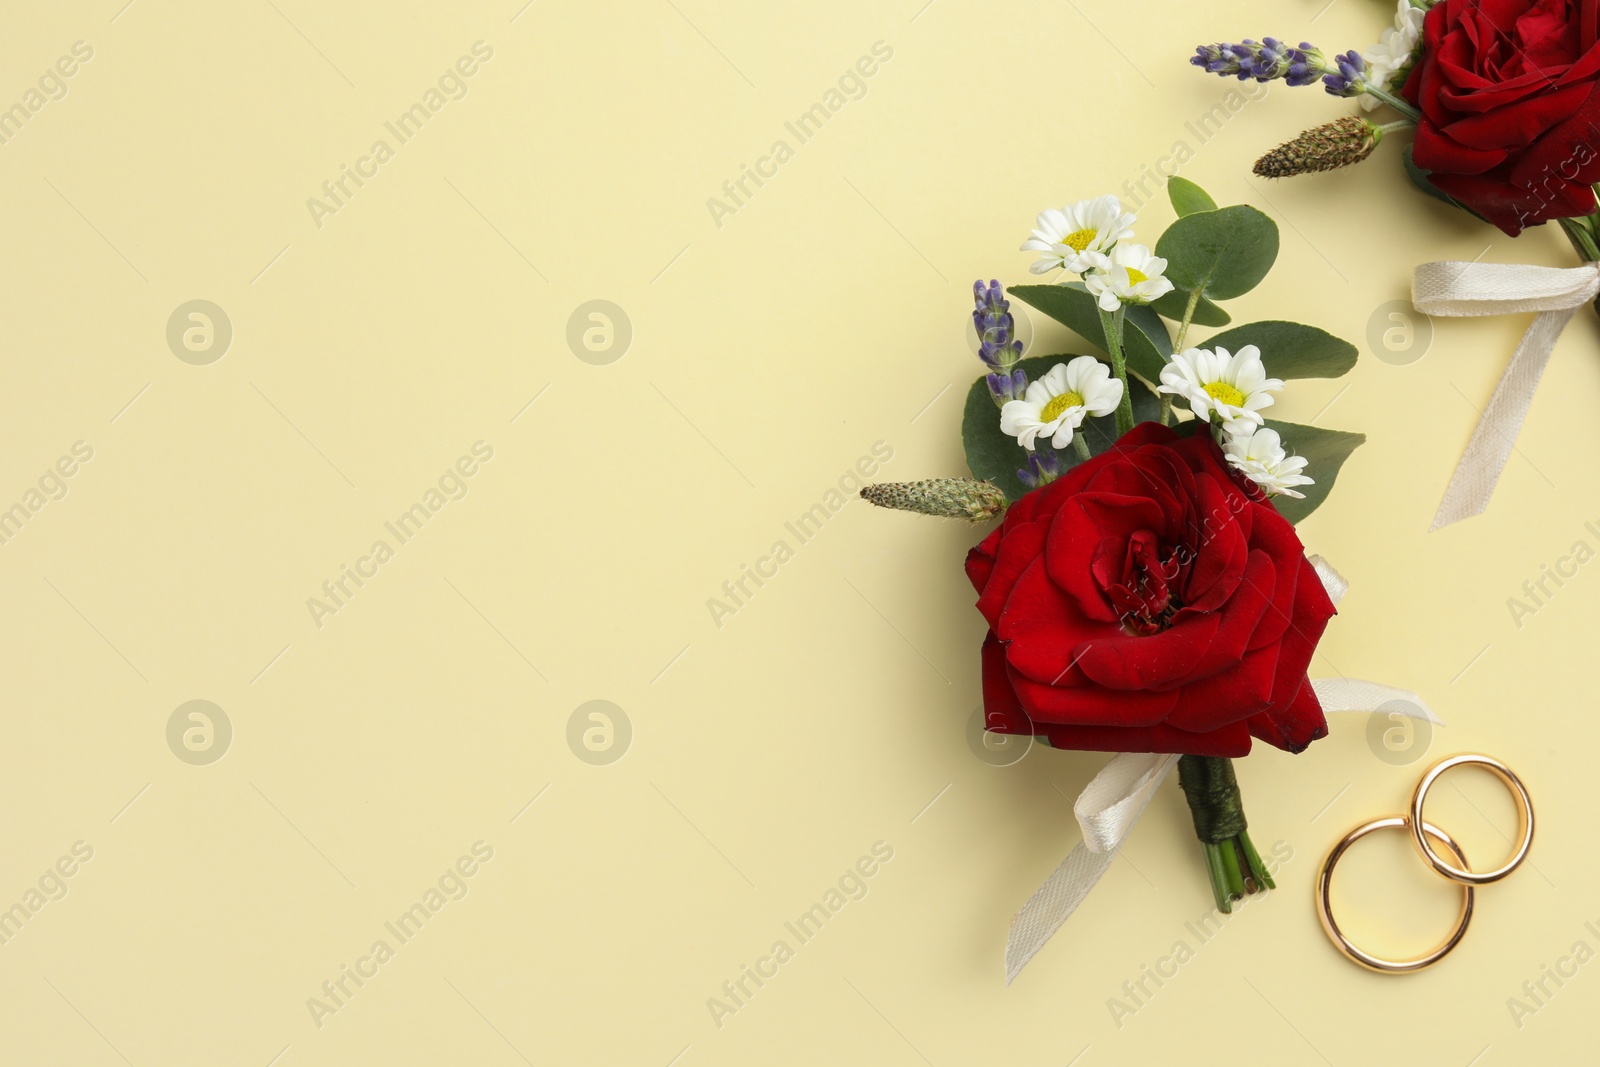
(1519, 794)
(1349, 948)
(1420, 832)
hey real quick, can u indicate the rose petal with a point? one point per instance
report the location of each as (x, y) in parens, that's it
(1240, 616)
(1002, 712)
(1018, 549)
(1125, 661)
(1230, 741)
(980, 561)
(1079, 560)
(1086, 704)
(1042, 627)
(1294, 727)
(1228, 696)
(1219, 546)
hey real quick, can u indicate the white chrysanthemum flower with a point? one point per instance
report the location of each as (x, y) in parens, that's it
(1394, 50)
(1133, 275)
(1055, 405)
(1077, 237)
(1234, 387)
(1261, 457)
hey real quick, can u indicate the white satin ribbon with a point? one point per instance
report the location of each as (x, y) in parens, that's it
(1112, 802)
(1456, 289)
(1106, 810)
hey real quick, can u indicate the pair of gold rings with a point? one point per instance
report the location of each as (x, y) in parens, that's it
(1459, 872)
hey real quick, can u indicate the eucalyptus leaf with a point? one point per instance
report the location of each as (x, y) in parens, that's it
(1145, 342)
(1176, 302)
(1223, 253)
(1325, 452)
(996, 457)
(1187, 197)
(1290, 349)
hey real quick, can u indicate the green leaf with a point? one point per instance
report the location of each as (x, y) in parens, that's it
(1290, 349)
(1325, 452)
(996, 457)
(1146, 343)
(1176, 302)
(1187, 197)
(1223, 253)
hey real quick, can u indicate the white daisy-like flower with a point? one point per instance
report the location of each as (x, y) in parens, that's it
(1261, 457)
(1055, 405)
(1235, 388)
(1394, 50)
(1077, 237)
(1132, 275)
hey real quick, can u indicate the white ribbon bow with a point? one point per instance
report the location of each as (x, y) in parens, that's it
(1452, 288)
(1112, 802)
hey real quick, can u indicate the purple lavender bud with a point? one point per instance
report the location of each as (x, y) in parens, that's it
(1305, 65)
(1214, 58)
(999, 387)
(1044, 466)
(1350, 77)
(1004, 387)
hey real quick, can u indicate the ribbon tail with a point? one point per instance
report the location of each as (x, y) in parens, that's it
(1107, 809)
(1052, 904)
(1355, 694)
(1475, 476)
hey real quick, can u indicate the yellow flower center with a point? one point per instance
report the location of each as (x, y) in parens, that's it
(1224, 393)
(1079, 239)
(1135, 276)
(1058, 405)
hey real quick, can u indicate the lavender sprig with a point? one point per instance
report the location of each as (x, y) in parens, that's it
(1271, 60)
(997, 346)
(1266, 60)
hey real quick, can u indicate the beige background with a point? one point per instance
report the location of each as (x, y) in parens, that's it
(768, 354)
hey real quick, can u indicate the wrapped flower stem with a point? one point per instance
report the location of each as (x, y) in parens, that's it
(1234, 866)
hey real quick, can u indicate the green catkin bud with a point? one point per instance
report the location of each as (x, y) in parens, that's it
(1330, 146)
(953, 498)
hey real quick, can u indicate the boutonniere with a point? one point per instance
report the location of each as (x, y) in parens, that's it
(1502, 102)
(1145, 591)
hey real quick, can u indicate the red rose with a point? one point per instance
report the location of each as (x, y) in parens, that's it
(1146, 601)
(1507, 91)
